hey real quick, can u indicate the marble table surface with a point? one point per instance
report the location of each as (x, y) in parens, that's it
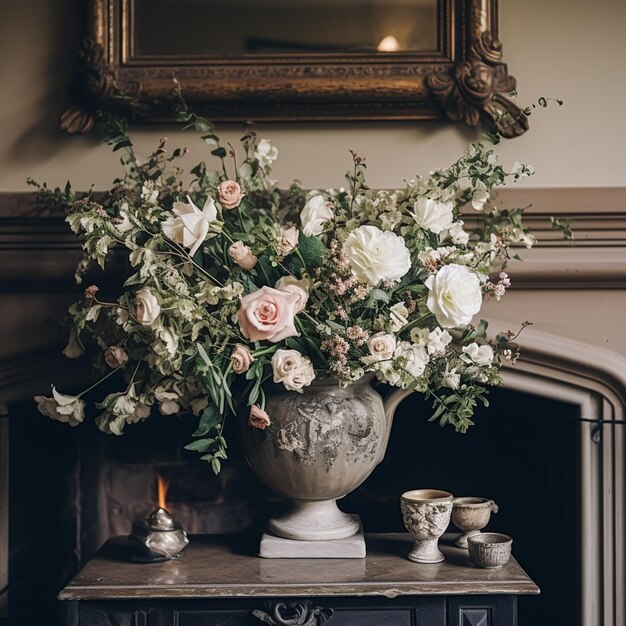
(227, 567)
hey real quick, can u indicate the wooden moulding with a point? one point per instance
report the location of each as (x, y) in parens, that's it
(38, 252)
(464, 79)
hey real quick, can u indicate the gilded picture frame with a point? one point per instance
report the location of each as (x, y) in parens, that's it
(464, 80)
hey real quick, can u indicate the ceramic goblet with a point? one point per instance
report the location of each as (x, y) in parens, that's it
(471, 515)
(426, 514)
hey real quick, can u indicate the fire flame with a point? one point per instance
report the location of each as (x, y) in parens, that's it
(162, 487)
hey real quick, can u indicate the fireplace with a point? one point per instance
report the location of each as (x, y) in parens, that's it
(66, 491)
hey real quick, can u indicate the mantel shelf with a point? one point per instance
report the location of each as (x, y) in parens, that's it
(224, 567)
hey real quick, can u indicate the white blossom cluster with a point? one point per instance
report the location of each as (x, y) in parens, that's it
(234, 284)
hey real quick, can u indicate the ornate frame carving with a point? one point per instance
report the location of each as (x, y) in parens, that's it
(464, 79)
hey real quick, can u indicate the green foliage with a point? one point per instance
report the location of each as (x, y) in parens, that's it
(195, 244)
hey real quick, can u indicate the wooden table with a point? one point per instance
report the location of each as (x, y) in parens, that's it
(220, 581)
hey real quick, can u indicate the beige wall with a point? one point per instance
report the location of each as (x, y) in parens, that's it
(573, 49)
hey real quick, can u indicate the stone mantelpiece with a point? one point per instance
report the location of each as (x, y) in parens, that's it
(215, 567)
(221, 580)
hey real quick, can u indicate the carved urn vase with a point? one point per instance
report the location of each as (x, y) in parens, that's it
(321, 445)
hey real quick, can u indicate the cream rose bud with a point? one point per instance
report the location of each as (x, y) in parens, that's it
(298, 287)
(241, 359)
(258, 418)
(375, 255)
(268, 314)
(292, 369)
(289, 240)
(242, 255)
(454, 295)
(381, 346)
(115, 357)
(301, 378)
(147, 308)
(432, 215)
(315, 214)
(229, 194)
(481, 355)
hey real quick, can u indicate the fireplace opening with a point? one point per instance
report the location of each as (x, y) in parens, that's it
(71, 489)
(523, 453)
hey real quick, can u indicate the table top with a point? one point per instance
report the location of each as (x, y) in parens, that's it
(226, 567)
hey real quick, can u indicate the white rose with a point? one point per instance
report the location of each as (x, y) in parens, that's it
(451, 378)
(191, 226)
(432, 215)
(302, 377)
(314, 215)
(265, 152)
(438, 339)
(389, 374)
(455, 295)
(292, 369)
(376, 255)
(63, 408)
(298, 287)
(381, 346)
(481, 355)
(480, 196)
(147, 308)
(415, 357)
(457, 235)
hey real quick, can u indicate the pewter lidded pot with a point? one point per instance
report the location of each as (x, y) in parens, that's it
(158, 537)
(321, 445)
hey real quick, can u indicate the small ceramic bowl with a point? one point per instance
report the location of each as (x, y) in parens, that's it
(490, 550)
(471, 515)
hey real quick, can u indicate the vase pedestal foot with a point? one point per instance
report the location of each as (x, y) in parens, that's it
(353, 547)
(314, 520)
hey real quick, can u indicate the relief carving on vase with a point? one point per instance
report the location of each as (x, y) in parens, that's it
(317, 428)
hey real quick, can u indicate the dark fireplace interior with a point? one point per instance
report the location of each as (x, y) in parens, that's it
(71, 489)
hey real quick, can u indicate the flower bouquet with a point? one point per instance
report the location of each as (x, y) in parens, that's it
(234, 285)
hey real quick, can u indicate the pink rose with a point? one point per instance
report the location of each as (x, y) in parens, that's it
(242, 255)
(268, 314)
(241, 359)
(229, 194)
(258, 418)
